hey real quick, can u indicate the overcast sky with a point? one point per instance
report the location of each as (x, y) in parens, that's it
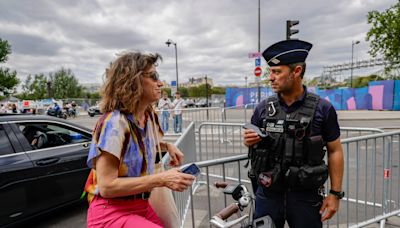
(213, 37)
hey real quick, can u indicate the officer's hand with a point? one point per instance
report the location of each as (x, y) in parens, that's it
(329, 207)
(250, 137)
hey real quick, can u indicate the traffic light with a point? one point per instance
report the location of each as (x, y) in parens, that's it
(290, 31)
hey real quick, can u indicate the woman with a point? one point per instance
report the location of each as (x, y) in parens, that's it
(123, 147)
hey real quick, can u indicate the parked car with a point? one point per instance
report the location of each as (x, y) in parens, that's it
(94, 110)
(203, 103)
(189, 103)
(42, 165)
(218, 102)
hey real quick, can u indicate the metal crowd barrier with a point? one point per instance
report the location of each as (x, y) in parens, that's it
(196, 115)
(371, 180)
(217, 140)
(231, 114)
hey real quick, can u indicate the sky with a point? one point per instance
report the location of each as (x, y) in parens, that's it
(213, 38)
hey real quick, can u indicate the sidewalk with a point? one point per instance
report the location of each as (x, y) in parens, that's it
(367, 115)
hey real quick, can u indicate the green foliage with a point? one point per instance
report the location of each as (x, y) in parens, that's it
(200, 91)
(218, 90)
(8, 79)
(95, 95)
(184, 91)
(34, 88)
(64, 84)
(5, 50)
(313, 82)
(167, 90)
(385, 34)
(363, 81)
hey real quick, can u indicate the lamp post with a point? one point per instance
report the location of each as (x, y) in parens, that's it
(169, 42)
(351, 68)
(207, 96)
(259, 47)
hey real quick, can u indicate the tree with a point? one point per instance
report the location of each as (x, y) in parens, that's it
(218, 90)
(8, 79)
(35, 88)
(184, 91)
(5, 50)
(384, 34)
(167, 90)
(64, 84)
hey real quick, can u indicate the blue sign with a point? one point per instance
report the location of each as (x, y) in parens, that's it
(258, 62)
(173, 83)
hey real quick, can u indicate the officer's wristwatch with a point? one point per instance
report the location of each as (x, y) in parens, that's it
(338, 195)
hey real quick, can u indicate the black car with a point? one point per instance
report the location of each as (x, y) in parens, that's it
(42, 165)
(94, 110)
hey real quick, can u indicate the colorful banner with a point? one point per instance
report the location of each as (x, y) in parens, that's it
(379, 95)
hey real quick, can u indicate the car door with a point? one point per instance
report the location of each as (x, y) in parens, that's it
(60, 160)
(16, 177)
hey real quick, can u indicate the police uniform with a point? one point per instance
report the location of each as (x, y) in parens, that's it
(288, 165)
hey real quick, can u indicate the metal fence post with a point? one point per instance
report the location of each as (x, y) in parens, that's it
(224, 132)
(386, 181)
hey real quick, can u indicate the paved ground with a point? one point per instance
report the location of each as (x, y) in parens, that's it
(368, 115)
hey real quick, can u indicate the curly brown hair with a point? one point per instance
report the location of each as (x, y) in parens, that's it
(123, 85)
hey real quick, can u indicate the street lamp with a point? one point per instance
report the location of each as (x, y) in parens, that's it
(351, 68)
(169, 42)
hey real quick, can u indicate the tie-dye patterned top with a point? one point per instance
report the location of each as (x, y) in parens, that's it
(120, 135)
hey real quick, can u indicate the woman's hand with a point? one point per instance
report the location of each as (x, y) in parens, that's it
(176, 180)
(175, 154)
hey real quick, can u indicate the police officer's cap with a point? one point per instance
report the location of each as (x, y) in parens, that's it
(286, 52)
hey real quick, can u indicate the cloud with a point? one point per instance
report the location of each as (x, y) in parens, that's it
(213, 37)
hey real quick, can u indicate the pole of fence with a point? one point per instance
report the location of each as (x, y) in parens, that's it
(245, 113)
(224, 134)
(386, 180)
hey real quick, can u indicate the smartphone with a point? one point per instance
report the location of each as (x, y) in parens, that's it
(256, 129)
(192, 169)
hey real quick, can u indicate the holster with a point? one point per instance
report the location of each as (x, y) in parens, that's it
(306, 177)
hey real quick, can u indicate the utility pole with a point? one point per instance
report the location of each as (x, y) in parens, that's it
(259, 50)
(352, 64)
(207, 96)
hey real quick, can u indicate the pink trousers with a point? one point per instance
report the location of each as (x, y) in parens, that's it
(117, 213)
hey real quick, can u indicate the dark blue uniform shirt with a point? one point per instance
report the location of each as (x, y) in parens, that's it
(324, 123)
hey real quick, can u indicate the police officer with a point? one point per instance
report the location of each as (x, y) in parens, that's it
(288, 165)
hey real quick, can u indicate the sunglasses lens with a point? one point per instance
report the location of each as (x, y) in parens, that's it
(155, 76)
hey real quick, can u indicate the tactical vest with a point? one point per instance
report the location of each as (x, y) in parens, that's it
(289, 158)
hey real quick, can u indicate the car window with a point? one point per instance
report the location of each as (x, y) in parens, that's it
(46, 135)
(5, 144)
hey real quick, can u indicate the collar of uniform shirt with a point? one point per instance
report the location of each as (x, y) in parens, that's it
(295, 105)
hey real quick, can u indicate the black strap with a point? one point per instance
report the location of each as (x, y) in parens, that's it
(306, 114)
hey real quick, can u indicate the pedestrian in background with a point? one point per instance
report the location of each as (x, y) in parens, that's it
(288, 164)
(3, 109)
(122, 153)
(14, 108)
(164, 104)
(178, 105)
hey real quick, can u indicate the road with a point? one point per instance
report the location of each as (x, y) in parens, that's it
(75, 216)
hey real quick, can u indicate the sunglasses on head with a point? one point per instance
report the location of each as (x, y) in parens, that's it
(153, 75)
